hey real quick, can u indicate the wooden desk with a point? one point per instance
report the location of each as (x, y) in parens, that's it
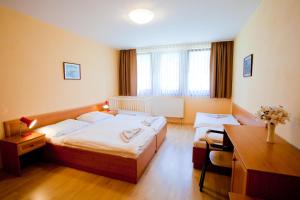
(260, 169)
(235, 196)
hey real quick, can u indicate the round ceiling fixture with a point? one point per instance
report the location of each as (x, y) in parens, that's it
(141, 16)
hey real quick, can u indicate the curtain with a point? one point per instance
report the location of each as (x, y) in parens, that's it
(128, 73)
(174, 71)
(221, 64)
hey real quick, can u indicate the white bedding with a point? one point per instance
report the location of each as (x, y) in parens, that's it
(104, 136)
(214, 120)
(206, 121)
(157, 125)
(200, 136)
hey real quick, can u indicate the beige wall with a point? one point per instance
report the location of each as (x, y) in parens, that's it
(201, 104)
(31, 72)
(192, 105)
(273, 36)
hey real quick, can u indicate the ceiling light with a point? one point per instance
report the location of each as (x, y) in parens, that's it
(141, 16)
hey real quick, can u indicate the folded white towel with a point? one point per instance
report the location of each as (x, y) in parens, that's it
(127, 135)
(148, 121)
(217, 116)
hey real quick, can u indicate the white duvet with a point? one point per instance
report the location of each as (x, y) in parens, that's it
(214, 120)
(105, 136)
(157, 124)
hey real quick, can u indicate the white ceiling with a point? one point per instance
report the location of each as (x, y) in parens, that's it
(175, 21)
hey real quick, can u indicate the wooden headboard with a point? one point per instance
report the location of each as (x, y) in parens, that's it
(245, 117)
(11, 127)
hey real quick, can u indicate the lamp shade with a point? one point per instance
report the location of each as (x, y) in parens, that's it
(106, 105)
(29, 123)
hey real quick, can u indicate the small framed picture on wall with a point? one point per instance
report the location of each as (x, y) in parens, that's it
(72, 71)
(248, 64)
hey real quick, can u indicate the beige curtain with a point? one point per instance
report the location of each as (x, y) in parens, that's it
(128, 73)
(221, 64)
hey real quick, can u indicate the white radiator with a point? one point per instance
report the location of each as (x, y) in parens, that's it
(168, 106)
(164, 106)
(137, 104)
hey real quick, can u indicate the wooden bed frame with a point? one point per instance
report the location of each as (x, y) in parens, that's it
(243, 116)
(122, 168)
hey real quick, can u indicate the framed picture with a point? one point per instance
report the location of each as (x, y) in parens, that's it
(72, 71)
(248, 63)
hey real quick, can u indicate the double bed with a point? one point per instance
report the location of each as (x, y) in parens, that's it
(98, 147)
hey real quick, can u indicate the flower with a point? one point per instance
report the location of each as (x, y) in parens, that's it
(273, 114)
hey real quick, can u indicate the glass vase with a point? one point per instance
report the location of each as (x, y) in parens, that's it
(271, 132)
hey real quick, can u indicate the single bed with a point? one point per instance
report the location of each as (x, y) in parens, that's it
(66, 150)
(203, 123)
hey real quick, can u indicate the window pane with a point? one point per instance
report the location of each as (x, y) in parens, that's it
(144, 74)
(169, 72)
(174, 72)
(198, 72)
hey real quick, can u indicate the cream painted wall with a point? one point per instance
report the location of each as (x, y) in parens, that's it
(200, 104)
(31, 71)
(273, 36)
(192, 105)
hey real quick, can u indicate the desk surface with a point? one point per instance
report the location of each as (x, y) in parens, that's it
(257, 154)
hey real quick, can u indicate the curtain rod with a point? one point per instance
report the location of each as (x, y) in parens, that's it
(190, 46)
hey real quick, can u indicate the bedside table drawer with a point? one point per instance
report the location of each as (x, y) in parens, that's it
(31, 145)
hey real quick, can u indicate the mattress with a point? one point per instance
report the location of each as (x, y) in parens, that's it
(104, 136)
(199, 138)
(214, 120)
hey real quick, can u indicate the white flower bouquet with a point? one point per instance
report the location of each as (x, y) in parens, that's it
(273, 114)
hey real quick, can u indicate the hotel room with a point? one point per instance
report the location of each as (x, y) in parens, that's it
(150, 99)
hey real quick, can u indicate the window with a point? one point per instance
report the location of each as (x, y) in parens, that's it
(144, 82)
(198, 73)
(169, 73)
(179, 72)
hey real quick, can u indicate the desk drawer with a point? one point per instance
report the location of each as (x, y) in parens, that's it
(239, 175)
(31, 145)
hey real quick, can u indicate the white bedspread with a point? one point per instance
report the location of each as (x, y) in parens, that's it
(105, 137)
(214, 120)
(156, 125)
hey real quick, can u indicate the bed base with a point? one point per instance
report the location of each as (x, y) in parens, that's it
(160, 136)
(113, 166)
(198, 157)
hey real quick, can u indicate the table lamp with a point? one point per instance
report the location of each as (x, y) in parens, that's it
(29, 123)
(106, 106)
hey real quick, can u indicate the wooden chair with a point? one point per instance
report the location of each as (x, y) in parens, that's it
(217, 154)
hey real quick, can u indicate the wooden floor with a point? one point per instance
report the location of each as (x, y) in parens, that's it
(170, 175)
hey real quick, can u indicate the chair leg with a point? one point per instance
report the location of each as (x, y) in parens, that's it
(203, 171)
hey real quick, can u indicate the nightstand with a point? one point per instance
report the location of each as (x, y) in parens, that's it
(111, 112)
(13, 148)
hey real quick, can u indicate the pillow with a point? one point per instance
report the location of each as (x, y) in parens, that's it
(214, 120)
(94, 116)
(62, 128)
(133, 113)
